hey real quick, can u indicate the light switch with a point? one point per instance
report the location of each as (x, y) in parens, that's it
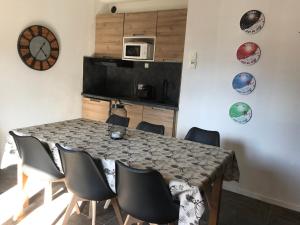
(193, 60)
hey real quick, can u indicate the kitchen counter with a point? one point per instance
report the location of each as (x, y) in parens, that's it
(138, 101)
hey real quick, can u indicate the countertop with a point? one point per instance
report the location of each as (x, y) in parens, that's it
(138, 101)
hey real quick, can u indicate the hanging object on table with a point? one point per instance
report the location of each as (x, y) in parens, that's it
(248, 53)
(240, 112)
(252, 21)
(38, 47)
(244, 83)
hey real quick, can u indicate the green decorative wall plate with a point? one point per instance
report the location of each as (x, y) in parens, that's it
(240, 112)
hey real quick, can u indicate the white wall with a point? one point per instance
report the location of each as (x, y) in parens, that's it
(267, 147)
(28, 97)
(104, 6)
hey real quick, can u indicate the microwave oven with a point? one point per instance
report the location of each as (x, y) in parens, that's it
(138, 51)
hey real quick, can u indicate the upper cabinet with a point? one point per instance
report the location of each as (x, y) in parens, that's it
(171, 25)
(140, 24)
(168, 27)
(109, 35)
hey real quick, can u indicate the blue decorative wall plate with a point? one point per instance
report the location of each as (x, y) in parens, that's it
(244, 83)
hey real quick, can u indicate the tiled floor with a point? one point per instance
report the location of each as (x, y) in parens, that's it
(235, 209)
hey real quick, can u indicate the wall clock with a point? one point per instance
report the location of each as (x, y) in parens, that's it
(38, 47)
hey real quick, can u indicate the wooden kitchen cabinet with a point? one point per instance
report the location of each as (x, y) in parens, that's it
(109, 35)
(140, 24)
(135, 113)
(94, 109)
(170, 37)
(160, 116)
(99, 110)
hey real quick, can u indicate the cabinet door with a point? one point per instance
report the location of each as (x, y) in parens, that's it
(170, 37)
(161, 117)
(109, 35)
(95, 109)
(140, 24)
(135, 113)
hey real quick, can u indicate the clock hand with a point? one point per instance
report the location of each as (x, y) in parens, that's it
(39, 49)
(44, 53)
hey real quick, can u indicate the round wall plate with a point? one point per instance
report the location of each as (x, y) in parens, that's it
(240, 112)
(248, 53)
(252, 21)
(244, 83)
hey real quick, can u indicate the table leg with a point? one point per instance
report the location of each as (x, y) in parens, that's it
(214, 201)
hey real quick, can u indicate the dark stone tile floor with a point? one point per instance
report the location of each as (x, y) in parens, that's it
(235, 209)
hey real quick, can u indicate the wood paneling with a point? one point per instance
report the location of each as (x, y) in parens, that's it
(140, 24)
(135, 113)
(109, 35)
(160, 116)
(95, 109)
(171, 25)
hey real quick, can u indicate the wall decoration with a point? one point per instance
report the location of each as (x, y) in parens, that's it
(240, 112)
(38, 47)
(252, 21)
(244, 83)
(248, 53)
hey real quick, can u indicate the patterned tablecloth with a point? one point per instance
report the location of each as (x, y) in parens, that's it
(195, 164)
(192, 162)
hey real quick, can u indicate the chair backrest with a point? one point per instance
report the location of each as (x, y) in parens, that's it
(37, 159)
(203, 136)
(118, 120)
(82, 176)
(149, 127)
(145, 195)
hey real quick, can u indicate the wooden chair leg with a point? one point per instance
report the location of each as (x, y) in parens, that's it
(22, 180)
(116, 207)
(48, 193)
(90, 210)
(107, 203)
(94, 206)
(77, 208)
(130, 220)
(69, 210)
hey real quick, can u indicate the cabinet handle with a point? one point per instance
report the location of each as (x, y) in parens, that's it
(160, 109)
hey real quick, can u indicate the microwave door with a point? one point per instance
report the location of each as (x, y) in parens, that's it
(133, 51)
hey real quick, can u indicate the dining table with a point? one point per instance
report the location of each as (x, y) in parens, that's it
(195, 164)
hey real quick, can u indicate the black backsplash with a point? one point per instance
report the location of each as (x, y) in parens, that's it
(119, 79)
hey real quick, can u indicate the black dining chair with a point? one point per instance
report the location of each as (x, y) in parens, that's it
(150, 127)
(37, 162)
(86, 181)
(144, 196)
(118, 120)
(203, 136)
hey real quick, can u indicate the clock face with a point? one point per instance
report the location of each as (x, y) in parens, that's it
(38, 47)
